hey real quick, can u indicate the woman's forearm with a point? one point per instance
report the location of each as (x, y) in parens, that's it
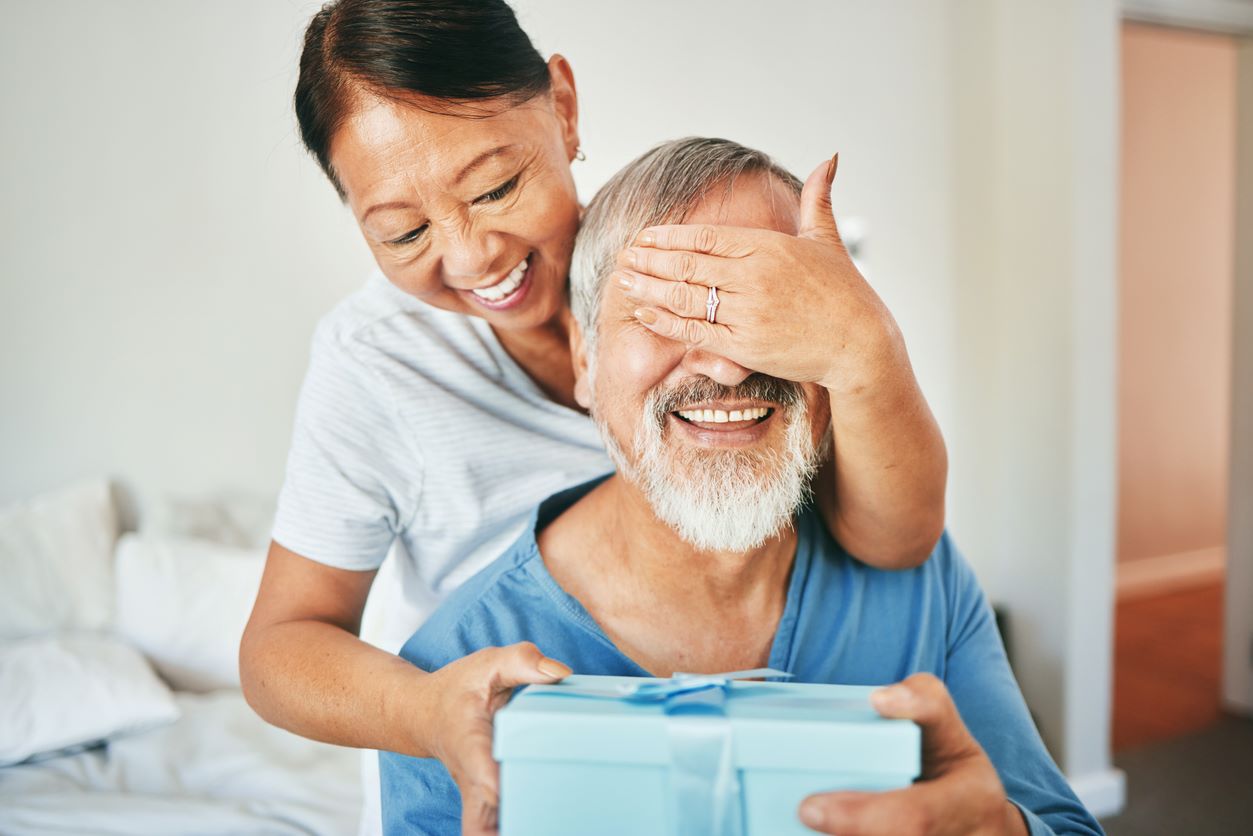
(320, 681)
(884, 497)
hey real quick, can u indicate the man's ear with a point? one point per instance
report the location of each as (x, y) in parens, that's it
(582, 380)
(565, 102)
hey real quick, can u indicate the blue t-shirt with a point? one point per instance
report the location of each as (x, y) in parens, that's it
(843, 623)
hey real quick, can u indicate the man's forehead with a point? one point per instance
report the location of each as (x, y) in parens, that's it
(756, 200)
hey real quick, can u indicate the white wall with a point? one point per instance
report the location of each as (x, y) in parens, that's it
(1033, 436)
(168, 247)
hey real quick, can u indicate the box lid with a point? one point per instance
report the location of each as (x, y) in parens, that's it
(774, 725)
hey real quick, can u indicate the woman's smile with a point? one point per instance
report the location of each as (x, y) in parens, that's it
(476, 216)
(508, 292)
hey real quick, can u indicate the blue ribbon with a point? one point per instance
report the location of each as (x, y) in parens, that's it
(705, 797)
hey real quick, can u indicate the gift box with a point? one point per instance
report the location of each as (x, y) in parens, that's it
(690, 756)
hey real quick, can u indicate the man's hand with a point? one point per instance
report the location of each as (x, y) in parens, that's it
(959, 792)
(469, 692)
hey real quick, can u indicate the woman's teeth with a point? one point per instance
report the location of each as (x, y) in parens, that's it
(718, 416)
(505, 286)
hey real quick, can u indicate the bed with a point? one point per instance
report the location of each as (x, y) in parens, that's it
(120, 708)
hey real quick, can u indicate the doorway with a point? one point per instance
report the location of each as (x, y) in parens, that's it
(1177, 249)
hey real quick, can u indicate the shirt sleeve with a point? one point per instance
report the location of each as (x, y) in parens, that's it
(353, 479)
(987, 696)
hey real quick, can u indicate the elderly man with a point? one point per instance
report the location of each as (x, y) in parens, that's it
(701, 554)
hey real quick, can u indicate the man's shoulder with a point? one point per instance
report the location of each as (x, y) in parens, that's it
(512, 599)
(470, 619)
(944, 572)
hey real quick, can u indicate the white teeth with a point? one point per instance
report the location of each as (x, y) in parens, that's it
(718, 416)
(505, 286)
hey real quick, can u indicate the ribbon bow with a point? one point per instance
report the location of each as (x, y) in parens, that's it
(704, 787)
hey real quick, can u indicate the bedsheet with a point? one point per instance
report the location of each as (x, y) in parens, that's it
(219, 769)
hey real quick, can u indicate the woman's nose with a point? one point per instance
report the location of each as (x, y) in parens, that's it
(471, 255)
(715, 367)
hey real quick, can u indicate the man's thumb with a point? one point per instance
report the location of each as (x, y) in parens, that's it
(817, 217)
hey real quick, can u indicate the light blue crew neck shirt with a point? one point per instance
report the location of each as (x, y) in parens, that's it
(843, 623)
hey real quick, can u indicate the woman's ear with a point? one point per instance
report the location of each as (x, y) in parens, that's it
(565, 102)
(582, 375)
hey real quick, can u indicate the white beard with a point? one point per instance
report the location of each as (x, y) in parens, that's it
(722, 500)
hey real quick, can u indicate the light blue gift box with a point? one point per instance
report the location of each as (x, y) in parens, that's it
(692, 756)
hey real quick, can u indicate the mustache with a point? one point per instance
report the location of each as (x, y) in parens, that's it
(757, 386)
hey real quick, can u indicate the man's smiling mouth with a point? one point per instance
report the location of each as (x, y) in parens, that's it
(723, 417)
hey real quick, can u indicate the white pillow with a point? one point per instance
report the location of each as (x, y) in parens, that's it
(56, 562)
(69, 690)
(184, 603)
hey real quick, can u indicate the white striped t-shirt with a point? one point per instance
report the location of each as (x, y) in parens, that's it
(414, 426)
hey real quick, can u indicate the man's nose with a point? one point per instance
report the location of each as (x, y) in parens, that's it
(715, 367)
(471, 255)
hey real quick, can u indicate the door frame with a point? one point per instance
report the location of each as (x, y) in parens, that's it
(1234, 18)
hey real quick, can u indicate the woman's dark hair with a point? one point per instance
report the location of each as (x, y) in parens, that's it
(458, 51)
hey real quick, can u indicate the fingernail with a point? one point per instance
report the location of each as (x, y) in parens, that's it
(647, 238)
(812, 815)
(835, 163)
(630, 257)
(888, 697)
(554, 669)
(625, 281)
(646, 315)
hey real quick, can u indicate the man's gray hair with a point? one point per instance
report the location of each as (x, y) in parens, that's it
(660, 187)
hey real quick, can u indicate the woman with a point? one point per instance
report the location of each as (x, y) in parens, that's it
(438, 408)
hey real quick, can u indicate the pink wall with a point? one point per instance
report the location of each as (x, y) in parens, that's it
(1176, 251)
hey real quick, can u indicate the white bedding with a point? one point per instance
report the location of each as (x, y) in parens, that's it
(219, 769)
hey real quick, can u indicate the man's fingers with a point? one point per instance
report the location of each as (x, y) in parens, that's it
(725, 241)
(817, 216)
(865, 813)
(924, 699)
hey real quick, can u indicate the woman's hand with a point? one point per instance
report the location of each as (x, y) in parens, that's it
(793, 307)
(959, 793)
(467, 693)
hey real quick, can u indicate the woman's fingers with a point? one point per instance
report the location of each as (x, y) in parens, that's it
(477, 686)
(522, 664)
(679, 266)
(817, 216)
(680, 298)
(478, 781)
(696, 333)
(725, 241)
